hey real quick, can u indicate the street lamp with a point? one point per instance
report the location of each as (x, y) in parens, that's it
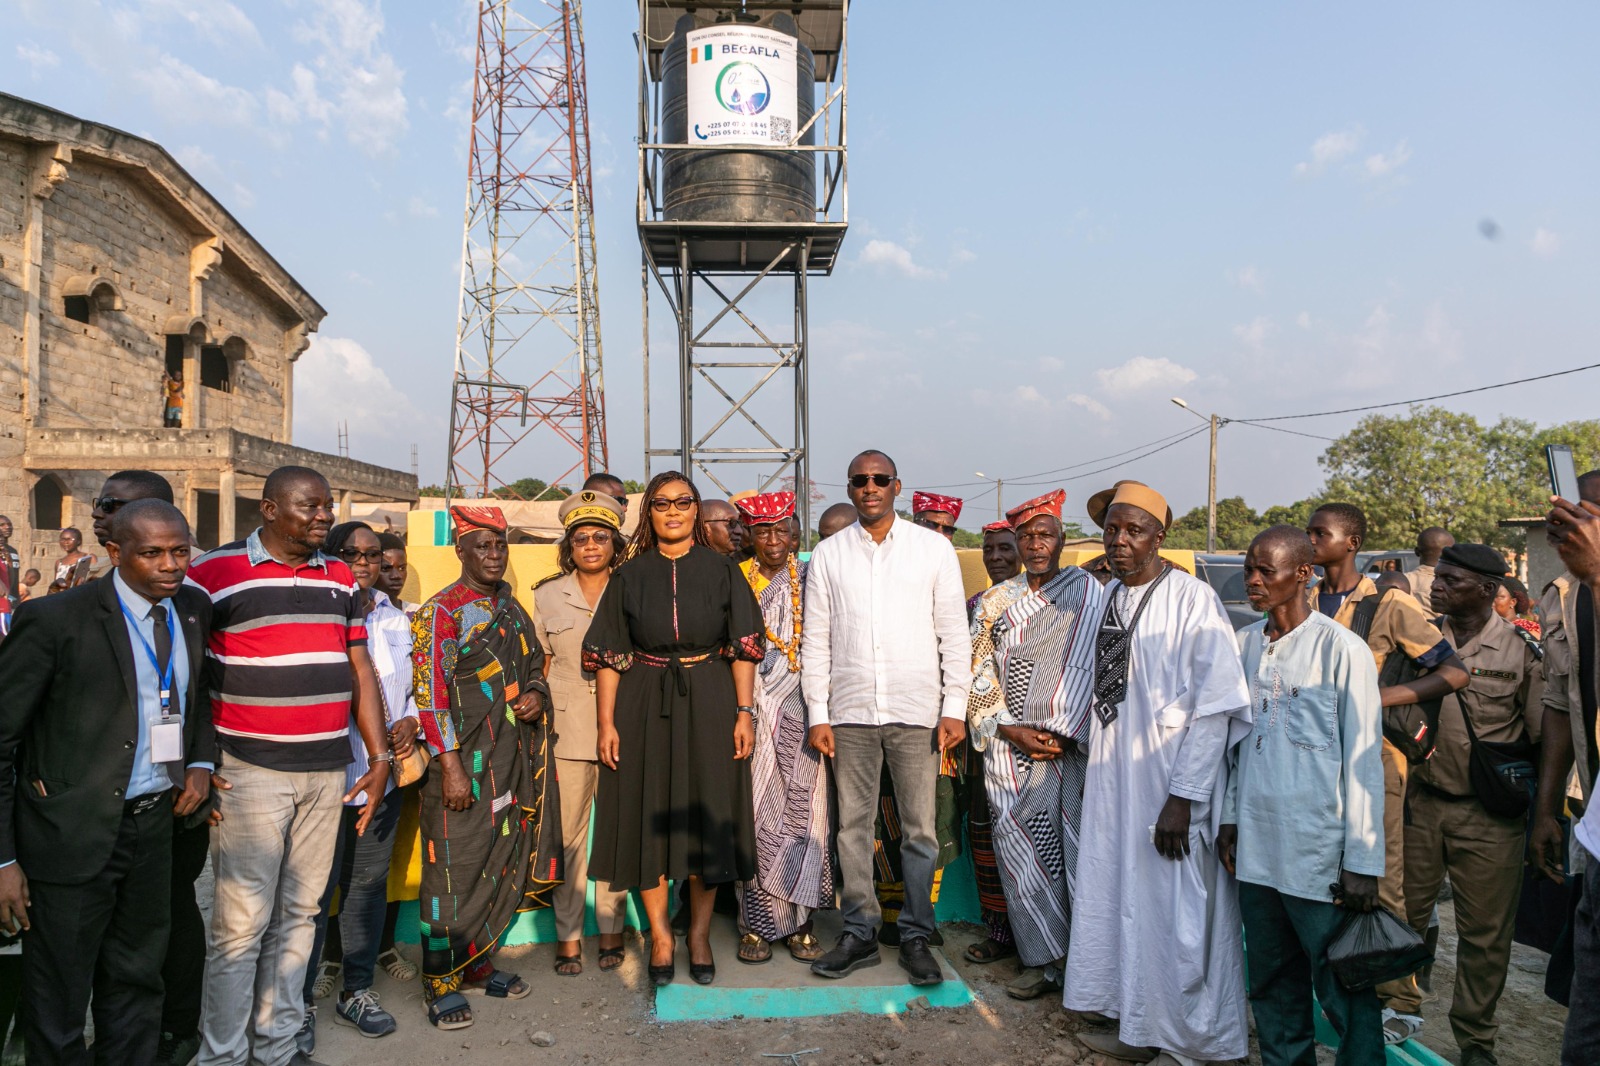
(1211, 488)
(999, 493)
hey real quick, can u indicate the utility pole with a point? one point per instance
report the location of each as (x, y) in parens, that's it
(999, 494)
(1216, 423)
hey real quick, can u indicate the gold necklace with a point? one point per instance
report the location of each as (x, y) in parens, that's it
(790, 648)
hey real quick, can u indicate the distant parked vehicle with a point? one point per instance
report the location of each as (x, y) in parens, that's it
(1374, 563)
(1225, 575)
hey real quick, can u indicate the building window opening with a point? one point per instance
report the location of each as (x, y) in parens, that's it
(76, 308)
(172, 384)
(215, 371)
(47, 503)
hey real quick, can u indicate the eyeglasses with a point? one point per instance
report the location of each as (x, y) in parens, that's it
(602, 537)
(662, 503)
(107, 504)
(949, 531)
(859, 481)
(350, 555)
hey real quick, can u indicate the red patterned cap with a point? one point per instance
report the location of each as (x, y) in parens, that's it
(997, 527)
(932, 501)
(1050, 504)
(468, 518)
(766, 508)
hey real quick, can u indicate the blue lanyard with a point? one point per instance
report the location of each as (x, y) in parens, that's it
(150, 652)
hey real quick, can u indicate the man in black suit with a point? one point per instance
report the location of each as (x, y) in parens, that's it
(105, 736)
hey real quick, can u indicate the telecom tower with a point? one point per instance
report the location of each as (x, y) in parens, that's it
(742, 200)
(528, 395)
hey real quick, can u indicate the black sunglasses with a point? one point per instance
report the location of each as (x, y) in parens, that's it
(883, 481)
(107, 504)
(682, 503)
(949, 531)
(350, 555)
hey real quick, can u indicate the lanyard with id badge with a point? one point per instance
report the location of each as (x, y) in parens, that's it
(166, 729)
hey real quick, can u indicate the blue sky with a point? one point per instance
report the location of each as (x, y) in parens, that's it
(1062, 215)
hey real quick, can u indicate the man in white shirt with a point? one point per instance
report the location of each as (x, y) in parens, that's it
(888, 662)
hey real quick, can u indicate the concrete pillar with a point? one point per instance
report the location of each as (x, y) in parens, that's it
(226, 507)
(49, 170)
(346, 498)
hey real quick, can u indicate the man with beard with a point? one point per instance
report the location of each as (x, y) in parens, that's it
(1155, 919)
(287, 668)
(1029, 714)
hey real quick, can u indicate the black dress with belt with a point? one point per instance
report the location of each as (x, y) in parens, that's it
(678, 804)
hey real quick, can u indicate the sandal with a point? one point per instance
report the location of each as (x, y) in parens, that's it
(611, 958)
(987, 951)
(327, 976)
(752, 949)
(397, 965)
(569, 965)
(450, 1005)
(805, 947)
(500, 985)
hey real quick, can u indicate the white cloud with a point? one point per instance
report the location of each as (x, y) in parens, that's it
(185, 96)
(217, 21)
(350, 77)
(38, 58)
(1379, 165)
(197, 161)
(1439, 335)
(1303, 320)
(1050, 363)
(1093, 406)
(1330, 148)
(1248, 278)
(1253, 334)
(1140, 373)
(1545, 243)
(417, 207)
(337, 380)
(888, 254)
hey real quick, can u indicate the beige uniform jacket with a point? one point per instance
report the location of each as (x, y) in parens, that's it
(1502, 696)
(561, 619)
(1399, 622)
(1558, 621)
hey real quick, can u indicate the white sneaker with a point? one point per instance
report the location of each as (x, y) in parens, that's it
(1398, 1028)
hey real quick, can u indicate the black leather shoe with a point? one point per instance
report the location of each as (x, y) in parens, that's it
(848, 956)
(703, 973)
(918, 961)
(889, 936)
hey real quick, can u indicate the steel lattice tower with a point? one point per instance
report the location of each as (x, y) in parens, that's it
(528, 394)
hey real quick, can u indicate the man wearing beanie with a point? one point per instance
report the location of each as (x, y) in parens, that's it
(1448, 827)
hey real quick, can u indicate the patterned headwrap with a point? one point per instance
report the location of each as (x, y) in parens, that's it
(766, 508)
(931, 501)
(467, 519)
(1050, 504)
(997, 527)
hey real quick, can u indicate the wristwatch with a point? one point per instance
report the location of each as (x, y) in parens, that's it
(751, 711)
(382, 756)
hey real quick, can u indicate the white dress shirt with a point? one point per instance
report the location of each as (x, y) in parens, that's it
(150, 777)
(389, 642)
(885, 638)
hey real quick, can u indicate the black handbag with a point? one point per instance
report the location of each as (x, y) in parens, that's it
(1413, 728)
(1504, 774)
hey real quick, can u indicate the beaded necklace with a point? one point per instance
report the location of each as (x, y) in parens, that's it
(790, 648)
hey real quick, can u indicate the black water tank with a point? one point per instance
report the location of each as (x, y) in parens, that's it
(735, 184)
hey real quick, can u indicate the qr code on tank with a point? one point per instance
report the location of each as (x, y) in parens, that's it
(781, 129)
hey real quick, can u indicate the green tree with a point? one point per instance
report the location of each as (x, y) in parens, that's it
(1237, 523)
(531, 488)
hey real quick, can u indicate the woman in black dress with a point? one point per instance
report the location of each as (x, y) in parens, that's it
(673, 647)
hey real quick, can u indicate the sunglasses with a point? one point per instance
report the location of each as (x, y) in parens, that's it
(600, 536)
(107, 504)
(350, 555)
(949, 531)
(661, 503)
(883, 481)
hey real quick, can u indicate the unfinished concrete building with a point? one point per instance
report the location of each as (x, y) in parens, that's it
(118, 269)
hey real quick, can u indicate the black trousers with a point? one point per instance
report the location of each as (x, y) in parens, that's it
(185, 967)
(107, 936)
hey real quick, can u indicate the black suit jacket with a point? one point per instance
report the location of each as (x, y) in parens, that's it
(68, 722)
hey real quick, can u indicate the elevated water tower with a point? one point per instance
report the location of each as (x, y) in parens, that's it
(742, 200)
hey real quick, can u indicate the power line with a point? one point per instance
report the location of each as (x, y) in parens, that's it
(1276, 429)
(1143, 455)
(1423, 399)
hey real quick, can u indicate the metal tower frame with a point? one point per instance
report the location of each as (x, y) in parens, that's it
(738, 293)
(529, 385)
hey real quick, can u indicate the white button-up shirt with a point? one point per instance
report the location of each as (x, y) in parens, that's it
(885, 638)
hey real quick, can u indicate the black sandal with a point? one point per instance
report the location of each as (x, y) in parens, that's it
(569, 960)
(987, 951)
(611, 958)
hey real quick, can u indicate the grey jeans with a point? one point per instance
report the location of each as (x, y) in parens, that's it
(270, 856)
(860, 752)
(1581, 1043)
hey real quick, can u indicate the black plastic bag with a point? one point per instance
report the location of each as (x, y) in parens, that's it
(1375, 947)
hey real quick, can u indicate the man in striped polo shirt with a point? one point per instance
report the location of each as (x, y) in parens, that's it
(288, 669)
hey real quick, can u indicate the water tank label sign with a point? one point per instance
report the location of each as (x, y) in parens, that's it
(741, 85)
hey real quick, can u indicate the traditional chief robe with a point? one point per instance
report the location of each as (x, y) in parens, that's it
(1042, 670)
(1156, 943)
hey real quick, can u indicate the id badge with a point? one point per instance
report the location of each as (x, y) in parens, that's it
(166, 739)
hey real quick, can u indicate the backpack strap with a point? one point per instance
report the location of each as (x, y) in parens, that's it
(1365, 612)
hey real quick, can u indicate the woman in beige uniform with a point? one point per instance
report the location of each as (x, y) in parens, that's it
(563, 607)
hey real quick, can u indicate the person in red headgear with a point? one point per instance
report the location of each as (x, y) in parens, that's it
(1000, 559)
(794, 867)
(490, 811)
(1029, 715)
(938, 513)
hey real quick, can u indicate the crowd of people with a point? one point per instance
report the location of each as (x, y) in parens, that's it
(1142, 789)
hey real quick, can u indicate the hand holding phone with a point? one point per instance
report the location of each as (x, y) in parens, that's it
(1563, 472)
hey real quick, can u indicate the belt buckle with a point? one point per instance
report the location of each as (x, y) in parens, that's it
(142, 804)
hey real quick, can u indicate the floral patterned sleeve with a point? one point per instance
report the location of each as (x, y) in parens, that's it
(608, 645)
(434, 633)
(747, 630)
